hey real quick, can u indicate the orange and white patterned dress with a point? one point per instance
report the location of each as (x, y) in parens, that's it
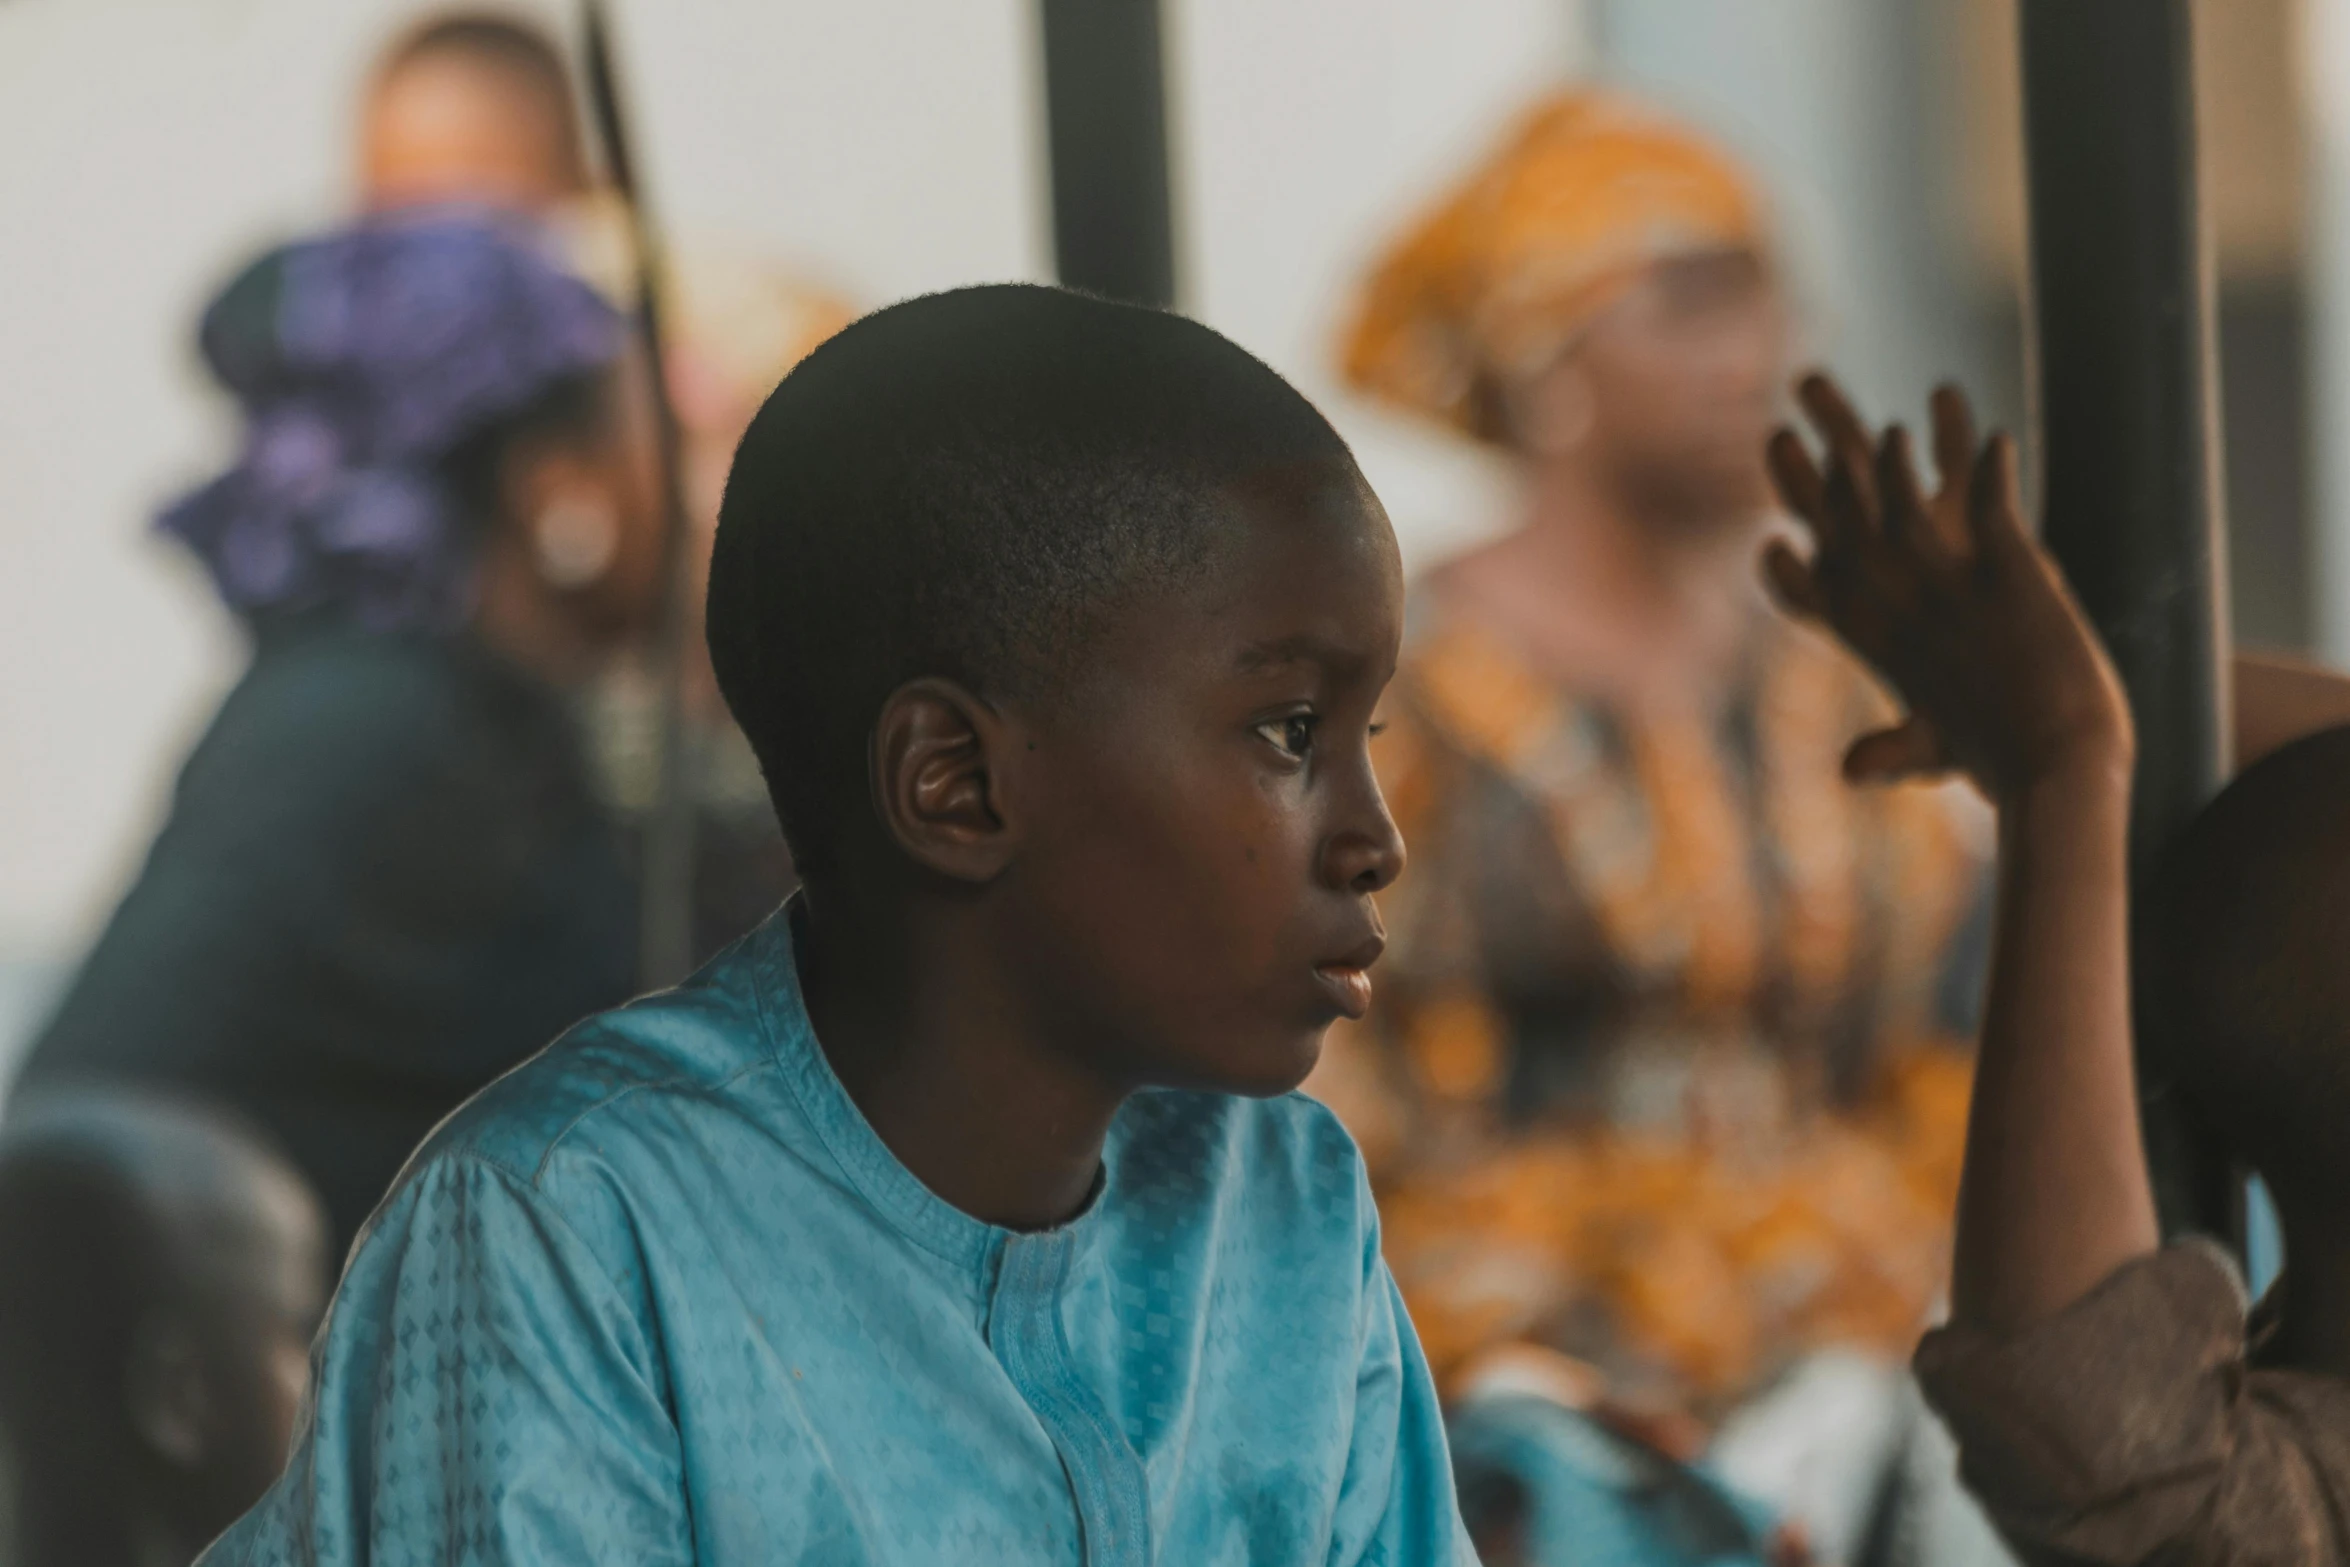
(1659, 1074)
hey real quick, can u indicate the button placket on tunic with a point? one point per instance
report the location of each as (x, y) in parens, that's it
(1025, 1330)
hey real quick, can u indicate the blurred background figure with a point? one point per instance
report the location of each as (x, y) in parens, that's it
(161, 1272)
(1635, 1138)
(386, 876)
(477, 108)
(1661, 1082)
(471, 107)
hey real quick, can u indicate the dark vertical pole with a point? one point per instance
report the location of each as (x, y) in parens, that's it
(665, 922)
(2129, 448)
(1105, 98)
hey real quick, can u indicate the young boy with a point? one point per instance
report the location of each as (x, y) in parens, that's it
(2108, 1401)
(961, 1213)
(160, 1275)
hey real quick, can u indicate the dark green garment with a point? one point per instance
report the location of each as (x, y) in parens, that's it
(385, 879)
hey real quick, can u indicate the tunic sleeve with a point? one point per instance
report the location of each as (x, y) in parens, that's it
(485, 1393)
(2129, 1428)
(1396, 1504)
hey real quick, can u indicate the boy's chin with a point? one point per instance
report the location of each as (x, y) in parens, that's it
(1275, 1067)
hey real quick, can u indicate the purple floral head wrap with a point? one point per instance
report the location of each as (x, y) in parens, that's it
(363, 359)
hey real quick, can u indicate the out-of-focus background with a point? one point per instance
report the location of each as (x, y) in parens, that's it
(888, 147)
(874, 149)
(894, 146)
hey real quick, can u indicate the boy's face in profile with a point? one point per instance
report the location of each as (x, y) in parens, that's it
(1208, 832)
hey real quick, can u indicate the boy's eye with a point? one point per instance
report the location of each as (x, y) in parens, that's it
(1293, 736)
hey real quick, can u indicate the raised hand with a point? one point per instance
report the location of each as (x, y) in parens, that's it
(1948, 597)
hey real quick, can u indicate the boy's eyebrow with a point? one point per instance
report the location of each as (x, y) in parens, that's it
(1303, 648)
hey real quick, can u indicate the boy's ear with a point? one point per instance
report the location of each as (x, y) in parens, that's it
(937, 751)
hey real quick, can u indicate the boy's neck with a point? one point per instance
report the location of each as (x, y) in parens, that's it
(952, 1068)
(2313, 1331)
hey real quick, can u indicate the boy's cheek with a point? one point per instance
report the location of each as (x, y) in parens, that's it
(1221, 853)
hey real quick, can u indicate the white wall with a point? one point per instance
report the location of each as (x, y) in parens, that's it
(1841, 107)
(1307, 130)
(889, 146)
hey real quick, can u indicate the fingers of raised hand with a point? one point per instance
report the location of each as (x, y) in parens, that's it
(1848, 439)
(1912, 749)
(1845, 583)
(1792, 583)
(1853, 582)
(1849, 511)
(1909, 519)
(1995, 506)
(1954, 438)
(1796, 477)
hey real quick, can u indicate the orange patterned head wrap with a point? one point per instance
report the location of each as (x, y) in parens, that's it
(1488, 288)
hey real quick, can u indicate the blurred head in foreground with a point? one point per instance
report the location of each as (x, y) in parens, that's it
(1598, 293)
(2250, 919)
(161, 1273)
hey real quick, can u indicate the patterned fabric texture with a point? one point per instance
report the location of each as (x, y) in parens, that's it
(1658, 1076)
(662, 1295)
(1492, 284)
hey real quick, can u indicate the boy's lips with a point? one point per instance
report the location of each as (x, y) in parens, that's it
(1347, 977)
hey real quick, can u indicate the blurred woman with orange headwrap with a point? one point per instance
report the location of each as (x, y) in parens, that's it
(1661, 1092)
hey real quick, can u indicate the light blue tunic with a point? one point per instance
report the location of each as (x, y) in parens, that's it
(661, 1295)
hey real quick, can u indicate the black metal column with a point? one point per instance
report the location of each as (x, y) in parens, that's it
(2121, 321)
(1105, 99)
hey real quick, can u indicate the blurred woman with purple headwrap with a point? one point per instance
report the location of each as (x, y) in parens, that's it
(385, 877)
(476, 107)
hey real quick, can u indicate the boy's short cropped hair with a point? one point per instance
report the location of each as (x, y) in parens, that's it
(966, 485)
(2250, 943)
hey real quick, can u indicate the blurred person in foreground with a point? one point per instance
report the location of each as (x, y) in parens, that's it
(1662, 1095)
(476, 108)
(385, 876)
(161, 1273)
(2115, 1403)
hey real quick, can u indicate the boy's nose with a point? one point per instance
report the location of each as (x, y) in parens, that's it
(1365, 857)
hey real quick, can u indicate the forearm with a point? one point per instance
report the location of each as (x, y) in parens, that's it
(2055, 1195)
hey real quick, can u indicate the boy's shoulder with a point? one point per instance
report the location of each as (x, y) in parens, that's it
(609, 1078)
